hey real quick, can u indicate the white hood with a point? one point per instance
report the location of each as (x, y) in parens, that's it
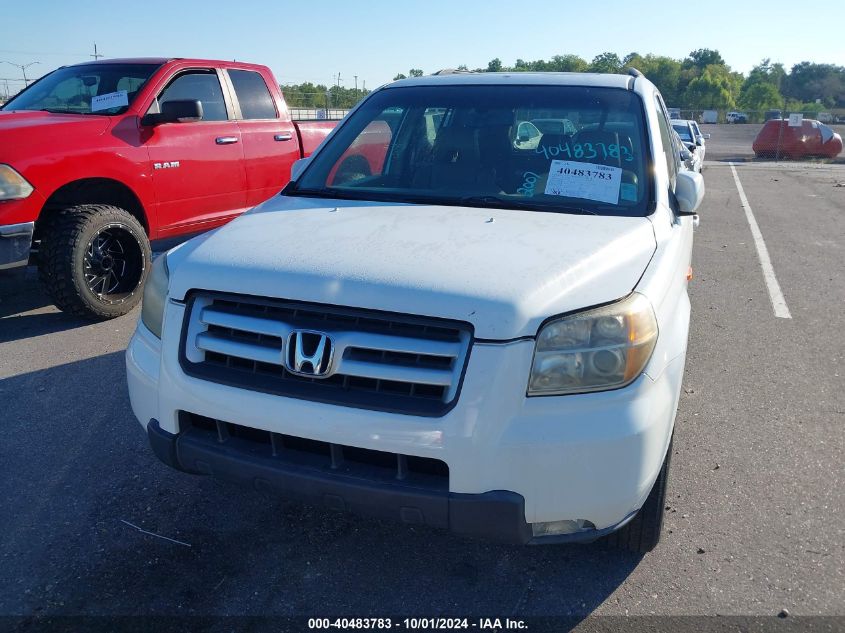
(503, 271)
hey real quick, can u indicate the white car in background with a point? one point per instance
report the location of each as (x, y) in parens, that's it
(687, 133)
(700, 137)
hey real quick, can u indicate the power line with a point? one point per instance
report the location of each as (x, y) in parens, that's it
(23, 68)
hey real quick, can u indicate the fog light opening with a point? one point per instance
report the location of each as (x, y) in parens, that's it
(567, 526)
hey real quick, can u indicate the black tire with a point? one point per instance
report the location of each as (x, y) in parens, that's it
(93, 260)
(642, 533)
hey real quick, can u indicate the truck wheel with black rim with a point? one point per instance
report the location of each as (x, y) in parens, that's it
(93, 260)
(642, 533)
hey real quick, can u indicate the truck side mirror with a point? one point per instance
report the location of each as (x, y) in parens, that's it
(689, 191)
(177, 111)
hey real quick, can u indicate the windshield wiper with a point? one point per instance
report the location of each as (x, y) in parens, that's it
(509, 203)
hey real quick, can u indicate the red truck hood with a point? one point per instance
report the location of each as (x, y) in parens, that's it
(24, 133)
(29, 122)
(22, 119)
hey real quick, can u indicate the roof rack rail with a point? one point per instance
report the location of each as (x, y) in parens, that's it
(633, 72)
(452, 71)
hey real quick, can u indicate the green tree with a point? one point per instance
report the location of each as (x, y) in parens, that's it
(495, 66)
(760, 96)
(716, 88)
(808, 81)
(606, 63)
(414, 72)
(761, 89)
(632, 59)
(694, 64)
(663, 72)
(568, 64)
(702, 58)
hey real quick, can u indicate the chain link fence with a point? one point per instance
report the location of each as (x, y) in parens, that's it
(738, 116)
(317, 114)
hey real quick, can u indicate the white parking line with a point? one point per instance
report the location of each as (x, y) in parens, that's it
(775, 294)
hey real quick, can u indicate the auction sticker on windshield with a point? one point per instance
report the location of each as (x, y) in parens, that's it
(109, 100)
(584, 180)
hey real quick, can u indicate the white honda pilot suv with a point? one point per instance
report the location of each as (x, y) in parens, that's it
(439, 322)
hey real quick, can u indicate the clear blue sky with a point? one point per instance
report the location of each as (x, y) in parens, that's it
(375, 39)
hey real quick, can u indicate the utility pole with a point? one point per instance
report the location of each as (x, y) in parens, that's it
(356, 83)
(338, 80)
(96, 55)
(23, 68)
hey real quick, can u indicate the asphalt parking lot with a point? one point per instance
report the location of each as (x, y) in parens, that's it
(754, 523)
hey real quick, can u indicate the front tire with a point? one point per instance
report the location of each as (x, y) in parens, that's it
(642, 533)
(93, 260)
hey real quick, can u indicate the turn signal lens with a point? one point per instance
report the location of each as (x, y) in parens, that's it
(155, 296)
(13, 186)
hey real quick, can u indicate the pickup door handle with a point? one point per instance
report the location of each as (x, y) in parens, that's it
(226, 140)
(284, 136)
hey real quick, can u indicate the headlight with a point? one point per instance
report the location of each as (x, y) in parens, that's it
(155, 296)
(595, 350)
(13, 186)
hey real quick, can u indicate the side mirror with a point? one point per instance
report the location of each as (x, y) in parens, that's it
(523, 138)
(691, 147)
(685, 154)
(177, 111)
(689, 191)
(298, 167)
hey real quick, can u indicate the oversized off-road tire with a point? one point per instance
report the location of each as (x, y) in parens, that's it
(642, 533)
(93, 260)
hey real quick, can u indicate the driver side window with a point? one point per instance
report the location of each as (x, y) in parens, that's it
(202, 86)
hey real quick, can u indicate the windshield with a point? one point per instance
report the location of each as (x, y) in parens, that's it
(684, 132)
(86, 89)
(539, 148)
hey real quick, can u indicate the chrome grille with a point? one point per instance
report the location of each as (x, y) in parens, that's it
(385, 362)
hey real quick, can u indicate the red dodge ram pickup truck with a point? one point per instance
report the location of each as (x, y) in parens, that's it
(98, 159)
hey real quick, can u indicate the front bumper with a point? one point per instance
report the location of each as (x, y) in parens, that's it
(15, 244)
(591, 457)
(496, 515)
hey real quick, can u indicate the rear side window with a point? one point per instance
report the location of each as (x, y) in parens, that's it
(202, 86)
(253, 95)
(669, 148)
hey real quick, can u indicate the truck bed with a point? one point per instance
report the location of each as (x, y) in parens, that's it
(312, 133)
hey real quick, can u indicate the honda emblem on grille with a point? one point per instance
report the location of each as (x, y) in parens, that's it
(309, 353)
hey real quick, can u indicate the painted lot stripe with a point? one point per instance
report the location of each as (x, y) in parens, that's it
(775, 294)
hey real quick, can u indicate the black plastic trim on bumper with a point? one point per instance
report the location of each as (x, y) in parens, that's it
(497, 515)
(15, 244)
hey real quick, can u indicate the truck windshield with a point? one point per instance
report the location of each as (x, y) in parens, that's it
(570, 149)
(86, 89)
